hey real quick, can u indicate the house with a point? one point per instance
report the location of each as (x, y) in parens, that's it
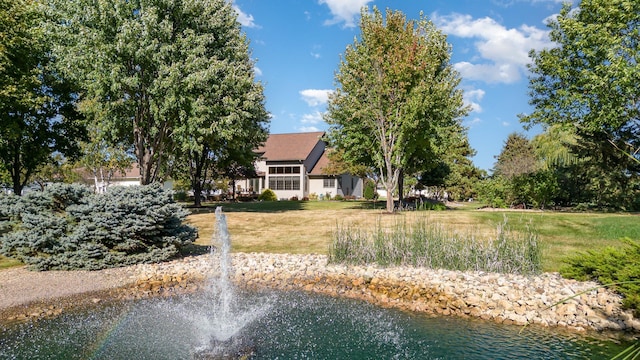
(292, 166)
(101, 182)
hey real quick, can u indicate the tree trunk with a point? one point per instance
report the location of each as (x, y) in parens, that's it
(401, 186)
(197, 194)
(15, 175)
(233, 189)
(197, 180)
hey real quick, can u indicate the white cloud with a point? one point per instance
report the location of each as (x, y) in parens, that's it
(315, 55)
(257, 71)
(472, 122)
(245, 19)
(473, 97)
(344, 10)
(308, 129)
(505, 51)
(313, 118)
(315, 97)
(505, 124)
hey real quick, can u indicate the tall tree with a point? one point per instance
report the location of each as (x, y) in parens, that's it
(149, 68)
(227, 119)
(37, 105)
(590, 79)
(554, 146)
(516, 158)
(396, 88)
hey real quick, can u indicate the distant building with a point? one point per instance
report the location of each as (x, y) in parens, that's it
(130, 177)
(292, 166)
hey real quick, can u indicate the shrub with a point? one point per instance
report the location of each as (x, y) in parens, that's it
(609, 266)
(338, 197)
(180, 196)
(369, 191)
(268, 195)
(68, 227)
(432, 206)
(293, 198)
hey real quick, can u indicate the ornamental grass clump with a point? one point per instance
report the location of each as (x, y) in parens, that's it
(432, 245)
(68, 227)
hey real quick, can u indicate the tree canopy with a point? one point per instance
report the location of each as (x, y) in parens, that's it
(588, 84)
(590, 79)
(516, 158)
(37, 104)
(160, 74)
(396, 93)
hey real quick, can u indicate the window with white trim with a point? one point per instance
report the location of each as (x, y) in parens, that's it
(284, 182)
(329, 183)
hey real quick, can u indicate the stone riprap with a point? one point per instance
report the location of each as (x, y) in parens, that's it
(503, 298)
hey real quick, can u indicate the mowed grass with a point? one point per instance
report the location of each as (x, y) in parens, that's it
(307, 227)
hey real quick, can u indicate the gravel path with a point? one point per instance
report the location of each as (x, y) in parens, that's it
(19, 286)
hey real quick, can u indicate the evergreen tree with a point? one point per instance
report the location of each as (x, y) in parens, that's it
(68, 227)
(516, 158)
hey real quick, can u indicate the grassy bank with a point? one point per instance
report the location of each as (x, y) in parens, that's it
(307, 227)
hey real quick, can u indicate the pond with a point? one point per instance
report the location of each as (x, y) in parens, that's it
(282, 325)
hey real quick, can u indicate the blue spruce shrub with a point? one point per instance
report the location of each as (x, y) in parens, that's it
(68, 227)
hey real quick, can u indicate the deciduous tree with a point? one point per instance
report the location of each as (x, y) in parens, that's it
(590, 79)
(168, 77)
(396, 89)
(37, 105)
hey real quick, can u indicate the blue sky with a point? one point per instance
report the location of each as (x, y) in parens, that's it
(297, 46)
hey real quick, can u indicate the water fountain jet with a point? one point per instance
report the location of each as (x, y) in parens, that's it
(230, 312)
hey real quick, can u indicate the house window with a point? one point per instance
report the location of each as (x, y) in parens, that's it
(284, 182)
(329, 183)
(284, 170)
(254, 185)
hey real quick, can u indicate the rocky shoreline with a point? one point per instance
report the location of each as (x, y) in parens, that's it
(502, 298)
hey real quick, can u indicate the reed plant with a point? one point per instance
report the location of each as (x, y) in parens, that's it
(422, 243)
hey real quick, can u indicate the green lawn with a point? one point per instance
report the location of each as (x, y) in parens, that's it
(307, 227)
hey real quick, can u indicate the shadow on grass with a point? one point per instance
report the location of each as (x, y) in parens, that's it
(369, 205)
(253, 206)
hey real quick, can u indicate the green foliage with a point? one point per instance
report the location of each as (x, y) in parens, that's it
(433, 246)
(588, 85)
(493, 192)
(177, 80)
(267, 195)
(516, 158)
(431, 206)
(103, 160)
(590, 79)
(369, 191)
(617, 266)
(338, 197)
(68, 227)
(38, 116)
(397, 99)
